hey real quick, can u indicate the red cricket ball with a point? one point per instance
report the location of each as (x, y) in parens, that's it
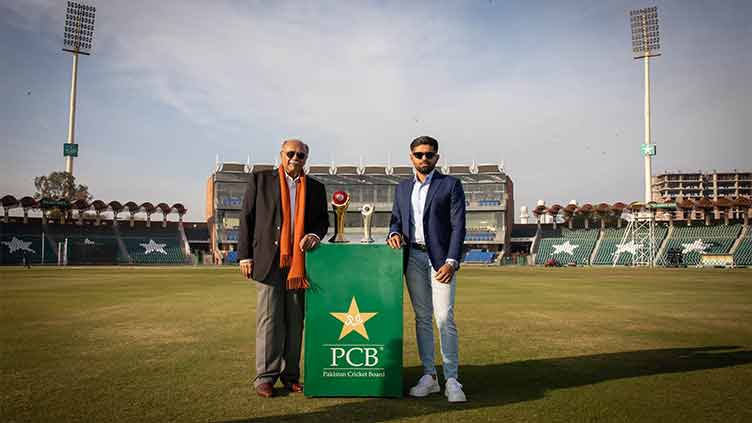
(339, 198)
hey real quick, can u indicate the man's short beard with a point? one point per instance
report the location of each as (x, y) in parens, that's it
(425, 171)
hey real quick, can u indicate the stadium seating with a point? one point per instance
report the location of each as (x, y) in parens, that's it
(487, 203)
(611, 241)
(694, 240)
(91, 244)
(479, 257)
(743, 253)
(570, 246)
(479, 234)
(87, 243)
(155, 245)
(17, 240)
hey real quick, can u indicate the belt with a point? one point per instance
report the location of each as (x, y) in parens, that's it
(421, 247)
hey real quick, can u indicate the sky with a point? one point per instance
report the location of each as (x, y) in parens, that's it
(548, 88)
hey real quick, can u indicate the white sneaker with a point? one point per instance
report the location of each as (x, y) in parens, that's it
(428, 384)
(453, 391)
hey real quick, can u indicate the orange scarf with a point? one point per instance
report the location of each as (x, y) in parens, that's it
(290, 255)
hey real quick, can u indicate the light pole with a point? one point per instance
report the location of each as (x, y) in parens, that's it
(77, 38)
(646, 44)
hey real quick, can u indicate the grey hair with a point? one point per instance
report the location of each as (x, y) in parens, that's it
(294, 140)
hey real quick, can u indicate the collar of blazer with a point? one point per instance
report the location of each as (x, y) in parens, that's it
(436, 181)
(277, 193)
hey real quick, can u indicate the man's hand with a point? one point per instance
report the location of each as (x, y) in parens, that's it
(445, 273)
(246, 268)
(309, 242)
(395, 241)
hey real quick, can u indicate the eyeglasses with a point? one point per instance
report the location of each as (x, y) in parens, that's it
(301, 155)
(419, 155)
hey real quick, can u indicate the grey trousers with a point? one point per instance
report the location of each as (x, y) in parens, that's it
(279, 333)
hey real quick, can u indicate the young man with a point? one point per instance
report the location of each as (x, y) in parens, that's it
(284, 214)
(428, 218)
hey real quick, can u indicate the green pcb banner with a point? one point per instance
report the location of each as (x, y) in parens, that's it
(353, 321)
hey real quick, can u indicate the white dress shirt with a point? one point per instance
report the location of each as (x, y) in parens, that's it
(292, 188)
(418, 205)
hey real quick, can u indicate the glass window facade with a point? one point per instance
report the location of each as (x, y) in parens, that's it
(489, 204)
(227, 204)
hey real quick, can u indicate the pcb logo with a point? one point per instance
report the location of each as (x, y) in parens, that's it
(354, 355)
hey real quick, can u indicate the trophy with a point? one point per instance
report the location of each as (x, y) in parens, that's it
(340, 201)
(367, 212)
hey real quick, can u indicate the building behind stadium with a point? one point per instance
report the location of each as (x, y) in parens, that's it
(676, 186)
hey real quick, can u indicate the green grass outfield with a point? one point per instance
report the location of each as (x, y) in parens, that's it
(540, 345)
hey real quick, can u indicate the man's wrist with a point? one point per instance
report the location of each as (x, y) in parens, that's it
(246, 261)
(452, 262)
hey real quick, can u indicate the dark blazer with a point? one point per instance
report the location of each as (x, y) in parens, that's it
(443, 217)
(261, 220)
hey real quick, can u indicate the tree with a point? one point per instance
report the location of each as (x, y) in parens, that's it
(60, 186)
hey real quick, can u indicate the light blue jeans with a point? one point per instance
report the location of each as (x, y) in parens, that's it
(432, 299)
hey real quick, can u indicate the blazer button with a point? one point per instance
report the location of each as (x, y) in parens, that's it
(278, 228)
(276, 242)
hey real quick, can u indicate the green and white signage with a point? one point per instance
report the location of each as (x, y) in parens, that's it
(353, 323)
(70, 150)
(648, 149)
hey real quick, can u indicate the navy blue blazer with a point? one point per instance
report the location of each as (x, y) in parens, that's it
(443, 217)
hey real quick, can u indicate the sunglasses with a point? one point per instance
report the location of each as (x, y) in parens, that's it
(290, 154)
(419, 155)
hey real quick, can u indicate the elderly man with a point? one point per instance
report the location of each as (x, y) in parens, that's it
(284, 215)
(428, 218)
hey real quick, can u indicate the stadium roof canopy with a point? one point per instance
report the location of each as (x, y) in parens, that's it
(10, 202)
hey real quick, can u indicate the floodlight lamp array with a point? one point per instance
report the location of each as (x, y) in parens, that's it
(645, 32)
(79, 27)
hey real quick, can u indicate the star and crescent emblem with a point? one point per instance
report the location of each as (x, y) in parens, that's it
(696, 245)
(353, 320)
(153, 247)
(16, 244)
(630, 247)
(566, 247)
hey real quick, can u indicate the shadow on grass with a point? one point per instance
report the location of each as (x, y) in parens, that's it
(498, 384)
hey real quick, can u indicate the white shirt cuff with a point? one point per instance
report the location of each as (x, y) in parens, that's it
(452, 262)
(245, 261)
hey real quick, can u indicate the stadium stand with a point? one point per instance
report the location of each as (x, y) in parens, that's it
(743, 253)
(697, 239)
(154, 245)
(476, 234)
(611, 242)
(196, 232)
(570, 246)
(479, 257)
(20, 239)
(87, 243)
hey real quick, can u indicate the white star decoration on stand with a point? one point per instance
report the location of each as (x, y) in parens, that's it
(16, 244)
(566, 247)
(153, 247)
(697, 245)
(630, 247)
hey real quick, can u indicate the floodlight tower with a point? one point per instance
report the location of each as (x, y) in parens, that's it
(646, 44)
(77, 38)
